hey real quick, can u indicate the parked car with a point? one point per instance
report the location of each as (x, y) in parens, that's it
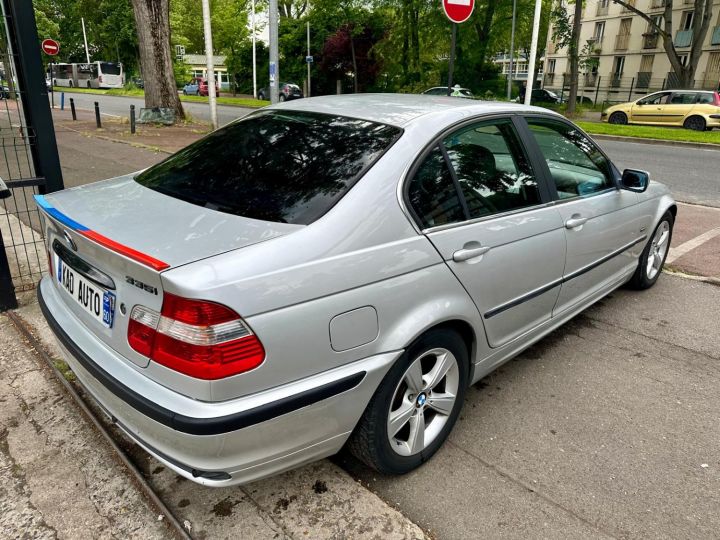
(692, 109)
(455, 91)
(198, 86)
(286, 92)
(542, 95)
(139, 82)
(336, 272)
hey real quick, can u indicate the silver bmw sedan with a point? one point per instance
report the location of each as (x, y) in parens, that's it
(335, 272)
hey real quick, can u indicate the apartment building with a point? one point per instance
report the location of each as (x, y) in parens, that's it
(626, 53)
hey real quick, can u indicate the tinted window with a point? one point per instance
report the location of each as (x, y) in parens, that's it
(432, 193)
(110, 68)
(686, 98)
(491, 168)
(576, 164)
(706, 98)
(288, 167)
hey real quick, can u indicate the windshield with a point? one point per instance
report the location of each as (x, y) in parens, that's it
(110, 68)
(282, 166)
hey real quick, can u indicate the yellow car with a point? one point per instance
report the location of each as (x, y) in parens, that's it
(692, 109)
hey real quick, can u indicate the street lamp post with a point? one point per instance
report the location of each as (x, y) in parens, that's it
(274, 67)
(533, 53)
(254, 57)
(209, 63)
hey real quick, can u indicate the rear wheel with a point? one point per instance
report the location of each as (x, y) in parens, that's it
(654, 255)
(696, 123)
(618, 118)
(282, 98)
(416, 405)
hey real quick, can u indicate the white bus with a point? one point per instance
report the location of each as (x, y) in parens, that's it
(93, 75)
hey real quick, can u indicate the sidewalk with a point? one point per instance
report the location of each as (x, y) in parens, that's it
(62, 479)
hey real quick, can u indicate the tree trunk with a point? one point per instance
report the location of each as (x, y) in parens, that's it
(152, 18)
(483, 30)
(574, 58)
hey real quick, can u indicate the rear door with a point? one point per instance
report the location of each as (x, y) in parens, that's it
(678, 107)
(601, 226)
(479, 201)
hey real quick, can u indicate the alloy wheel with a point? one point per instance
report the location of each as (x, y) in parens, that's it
(658, 250)
(423, 401)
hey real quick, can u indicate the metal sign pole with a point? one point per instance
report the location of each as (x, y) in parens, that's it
(308, 63)
(452, 58)
(274, 55)
(512, 51)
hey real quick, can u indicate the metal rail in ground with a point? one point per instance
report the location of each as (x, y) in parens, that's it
(170, 519)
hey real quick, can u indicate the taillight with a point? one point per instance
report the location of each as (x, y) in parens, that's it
(286, 90)
(195, 337)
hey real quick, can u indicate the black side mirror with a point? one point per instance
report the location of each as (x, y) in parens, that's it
(635, 180)
(4, 190)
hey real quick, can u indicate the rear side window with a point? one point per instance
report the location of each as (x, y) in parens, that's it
(706, 98)
(432, 193)
(281, 166)
(685, 98)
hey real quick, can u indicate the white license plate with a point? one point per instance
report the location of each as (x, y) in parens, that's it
(97, 302)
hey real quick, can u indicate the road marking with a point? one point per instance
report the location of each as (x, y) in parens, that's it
(682, 249)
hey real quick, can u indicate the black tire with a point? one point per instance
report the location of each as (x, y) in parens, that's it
(619, 118)
(184, 92)
(261, 96)
(282, 98)
(71, 84)
(696, 123)
(369, 441)
(89, 85)
(640, 279)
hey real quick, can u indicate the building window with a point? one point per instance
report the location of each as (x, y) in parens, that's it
(599, 32)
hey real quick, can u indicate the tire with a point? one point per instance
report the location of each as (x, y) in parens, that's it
(89, 85)
(281, 98)
(371, 441)
(654, 255)
(184, 92)
(619, 118)
(71, 84)
(696, 123)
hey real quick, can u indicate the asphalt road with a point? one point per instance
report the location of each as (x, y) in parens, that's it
(120, 106)
(692, 174)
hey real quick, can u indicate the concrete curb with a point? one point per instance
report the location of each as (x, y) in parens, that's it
(620, 138)
(111, 139)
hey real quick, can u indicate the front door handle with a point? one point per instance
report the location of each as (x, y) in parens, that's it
(465, 254)
(575, 221)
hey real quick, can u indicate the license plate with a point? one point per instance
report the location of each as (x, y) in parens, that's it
(92, 299)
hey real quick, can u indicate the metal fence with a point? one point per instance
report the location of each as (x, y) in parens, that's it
(29, 161)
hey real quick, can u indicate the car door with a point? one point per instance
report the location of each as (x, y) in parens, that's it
(478, 200)
(603, 230)
(677, 108)
(649, 109)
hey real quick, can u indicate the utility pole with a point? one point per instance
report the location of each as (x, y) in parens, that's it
(254, 57)
(209, 64)
(274, 68)
(87, 52)
(512, 51)
(307, 60)
(533, 53)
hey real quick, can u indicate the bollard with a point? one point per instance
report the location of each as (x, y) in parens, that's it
(62, 101)
(97, 115)
(72, 108)
(132, 118)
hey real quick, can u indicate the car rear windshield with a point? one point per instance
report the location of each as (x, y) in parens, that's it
(281, 166)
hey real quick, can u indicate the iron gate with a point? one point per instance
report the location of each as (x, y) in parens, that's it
(29, 162)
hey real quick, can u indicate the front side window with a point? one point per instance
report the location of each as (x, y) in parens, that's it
(576, 165)
(654, 99)
(491, 169)
(432, 193)
(281, 166)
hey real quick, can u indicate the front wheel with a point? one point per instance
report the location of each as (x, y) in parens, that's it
(415, 407)
(619, 118)
(654, 255)
(281, 98)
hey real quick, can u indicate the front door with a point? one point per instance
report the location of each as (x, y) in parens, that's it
(482, 206)
(602, 231)
(649, 109)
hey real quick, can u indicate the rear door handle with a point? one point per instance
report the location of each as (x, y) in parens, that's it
(575, 221)
(465, 254)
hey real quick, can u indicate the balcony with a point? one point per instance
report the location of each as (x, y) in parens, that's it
(715, 39)
(549, 79)
(595, 44)
(710, 80)
(551, 48)
(630, 2)
(621, 42)
(643, 79)
(602, 9)
(650, 40)
(590, 79)
(657, 4)
(683, 38)
(614, 79)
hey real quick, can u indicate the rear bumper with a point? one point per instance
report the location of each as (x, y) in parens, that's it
(221, 443)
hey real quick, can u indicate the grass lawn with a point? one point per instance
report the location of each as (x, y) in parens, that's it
(652, 132)
(137, 92)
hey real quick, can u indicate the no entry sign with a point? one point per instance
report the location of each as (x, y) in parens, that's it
(458, 11)
(50, 46)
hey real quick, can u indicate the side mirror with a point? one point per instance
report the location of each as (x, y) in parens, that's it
(4, 190)
(635, 180)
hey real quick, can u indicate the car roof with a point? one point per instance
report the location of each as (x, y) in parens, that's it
(398, 109)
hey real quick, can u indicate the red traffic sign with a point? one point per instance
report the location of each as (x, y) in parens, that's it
(50, 46)
(458, 11)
